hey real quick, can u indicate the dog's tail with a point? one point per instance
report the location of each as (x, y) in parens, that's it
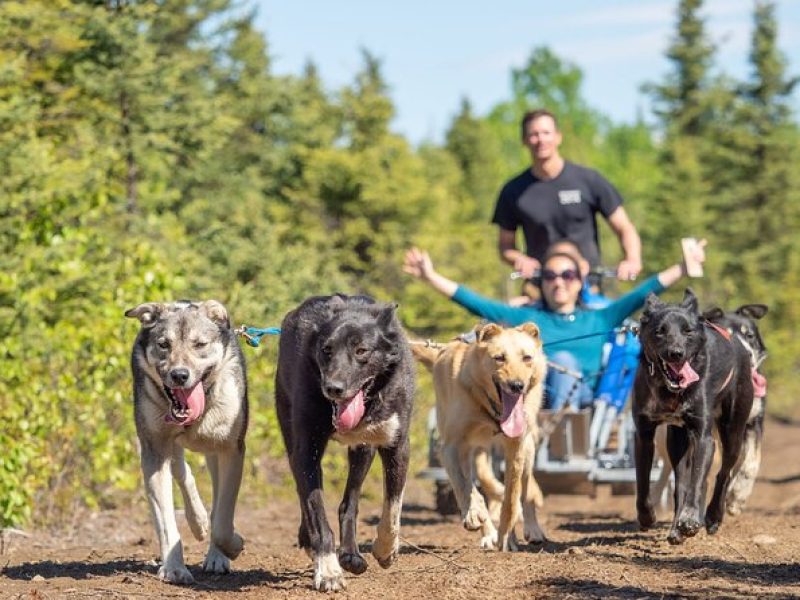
(425, 352)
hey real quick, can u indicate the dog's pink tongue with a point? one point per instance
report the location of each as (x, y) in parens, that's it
(688, 375)
(759, 384)
(349, 412)
(513, 420)
(193, 398)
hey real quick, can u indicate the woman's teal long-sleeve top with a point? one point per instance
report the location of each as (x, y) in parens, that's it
(559, 330)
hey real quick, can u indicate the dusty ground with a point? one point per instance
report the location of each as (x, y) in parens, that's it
(595, 552)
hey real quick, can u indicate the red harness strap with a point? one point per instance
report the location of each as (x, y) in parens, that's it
(727, 335)
(720, 330)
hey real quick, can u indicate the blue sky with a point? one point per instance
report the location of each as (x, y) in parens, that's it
(434, 53)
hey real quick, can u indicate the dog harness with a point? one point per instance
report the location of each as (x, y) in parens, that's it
(727, 336)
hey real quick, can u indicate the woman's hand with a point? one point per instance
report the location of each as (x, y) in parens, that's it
(418, 264)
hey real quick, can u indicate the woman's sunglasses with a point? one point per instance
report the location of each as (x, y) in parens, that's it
(567, 275)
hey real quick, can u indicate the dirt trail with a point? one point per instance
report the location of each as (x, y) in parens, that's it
(596, 552)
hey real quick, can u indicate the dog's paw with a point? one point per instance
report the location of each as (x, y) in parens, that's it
(489, 541)
(508, 542)
(328, 574)
(533, 533)
(689, 526)
(713, 521)
(675, 537)
(231, 547)
(734, 508)
(177, 574)
(386, 551)
(475, 518)
(216, 561)
(352, 562)
(647, 518)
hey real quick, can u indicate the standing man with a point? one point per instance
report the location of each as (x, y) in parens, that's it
(556, 199)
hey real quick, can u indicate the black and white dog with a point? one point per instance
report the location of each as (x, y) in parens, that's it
(694, 377)
(345, 372)
(741, 323)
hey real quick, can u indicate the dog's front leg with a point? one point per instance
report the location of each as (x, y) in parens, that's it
(695, 473)
(226, 544)
(386, 546)
(158, 484)
(456, 461)
(306, 465)
(360, 459)
(644, 449)
(532, 496)
(195, 511)
(681, 459)
(510, 513)
(731, 436)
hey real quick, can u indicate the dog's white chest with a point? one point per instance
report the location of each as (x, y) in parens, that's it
(383, 433)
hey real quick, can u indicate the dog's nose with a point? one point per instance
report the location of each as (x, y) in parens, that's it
(179, 375)
(675, 354)
(334, 389)
(516, 386)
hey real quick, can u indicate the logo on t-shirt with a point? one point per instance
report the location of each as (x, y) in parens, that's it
(569, 197)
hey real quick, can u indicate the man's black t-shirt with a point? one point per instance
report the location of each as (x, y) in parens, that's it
(561, 208)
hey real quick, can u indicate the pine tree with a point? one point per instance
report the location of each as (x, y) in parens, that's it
(471, 142)
(681, 101)
(684, 104)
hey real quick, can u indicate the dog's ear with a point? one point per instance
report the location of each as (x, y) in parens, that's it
(531, 329)
(690, 301)
(652, 302)
(337, 302)
(216, 312)
(147, 313)
(713, 314)
(753, 311)
(489, 331)
(386, 315)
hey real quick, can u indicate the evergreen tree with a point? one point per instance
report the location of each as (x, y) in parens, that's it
(477, 153)
(684, 106)
(757, 209)
(682, 101)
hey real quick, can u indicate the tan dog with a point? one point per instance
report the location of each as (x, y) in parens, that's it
(490, 389)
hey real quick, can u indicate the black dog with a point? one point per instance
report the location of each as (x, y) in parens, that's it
(345, 372)
(693, 376)
(741, 323)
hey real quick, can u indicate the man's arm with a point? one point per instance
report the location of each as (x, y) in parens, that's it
(631, 265)
(507, 245)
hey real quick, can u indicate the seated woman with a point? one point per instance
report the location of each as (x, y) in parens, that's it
(572, 335)
(590, 296)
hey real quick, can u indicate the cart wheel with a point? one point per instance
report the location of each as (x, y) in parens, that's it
(445, 499)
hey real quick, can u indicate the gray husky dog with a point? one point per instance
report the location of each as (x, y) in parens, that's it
(190, 391)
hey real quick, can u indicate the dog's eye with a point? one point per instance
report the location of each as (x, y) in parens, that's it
(501, 358)
(200, 344)
(527, 359)
(327, 350)
(687, 331)
(361, 352)
(163, 343)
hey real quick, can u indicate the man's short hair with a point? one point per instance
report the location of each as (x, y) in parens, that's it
(532, 115)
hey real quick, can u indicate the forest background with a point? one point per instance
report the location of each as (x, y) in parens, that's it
(148, 152)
